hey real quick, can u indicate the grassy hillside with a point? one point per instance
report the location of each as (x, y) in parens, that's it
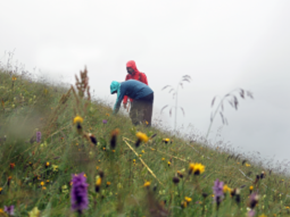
(55, 140)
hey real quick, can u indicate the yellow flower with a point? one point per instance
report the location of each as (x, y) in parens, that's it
(226, 189)
(99, 181)
(47, 164)
(147, 184)
(14, 78)
(134, 161)
(78, 119)
(251, 188)
(108, 183)
(140, 155)
(42, 183)
(166, 140)
(263, 215)
(43, 188)
(143, 151)
(34, 212)
(113, 151)
(85, 175)
(163, 158)
(104, 148)
(169, 163)
(152, 149)
(196, 168)
(188, 199)
(183, 204)
(107, 114)
(287, 207)
(247, 165)
(97, 167)
(142, 136)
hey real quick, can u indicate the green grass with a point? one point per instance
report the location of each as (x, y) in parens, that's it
(28, 107)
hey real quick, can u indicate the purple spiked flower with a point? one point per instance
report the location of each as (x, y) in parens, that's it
(38, 136)
(218, 191)
(9, 210)
(105, 121)
(79, 193)
(251, 213)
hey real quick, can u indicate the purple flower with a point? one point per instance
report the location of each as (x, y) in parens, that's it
(38, 136)
(218, 191)
(105, 121)
(9, 210)
(79, 193)
(251, 213)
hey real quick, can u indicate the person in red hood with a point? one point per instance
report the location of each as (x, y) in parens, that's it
(133, 73)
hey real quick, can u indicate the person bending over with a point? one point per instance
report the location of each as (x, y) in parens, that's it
(142, 95)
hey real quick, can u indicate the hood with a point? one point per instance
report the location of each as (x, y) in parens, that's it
(132, 65)
(114, 86)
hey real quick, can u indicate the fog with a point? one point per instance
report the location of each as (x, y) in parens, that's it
(222, 45)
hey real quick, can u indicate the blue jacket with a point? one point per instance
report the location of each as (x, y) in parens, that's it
(131, 88)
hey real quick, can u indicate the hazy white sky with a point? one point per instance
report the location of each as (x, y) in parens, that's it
(221, 44)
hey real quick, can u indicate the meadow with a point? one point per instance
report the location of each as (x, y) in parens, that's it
(63, 153)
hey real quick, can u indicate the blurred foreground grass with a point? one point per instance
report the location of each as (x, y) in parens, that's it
(41, 147)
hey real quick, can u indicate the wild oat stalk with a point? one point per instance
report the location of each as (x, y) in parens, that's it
(232, 100)
(175, 94)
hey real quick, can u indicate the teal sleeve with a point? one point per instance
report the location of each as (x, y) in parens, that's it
(120, 97)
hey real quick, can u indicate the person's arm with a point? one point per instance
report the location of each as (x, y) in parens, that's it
(120, 96)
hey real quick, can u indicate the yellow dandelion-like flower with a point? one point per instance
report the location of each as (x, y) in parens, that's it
(140, 155)
(97, 167)
(166, 140)
(152, 149)
(287, 207)
(99, 181)
(85, 175)
(43, 188)
(143, 151)
(107, 114)
(238, 162)
(147, 184)
(42, 183)
(78, 119)
(263, 215)
(142, 136)
(163, 158)
(196, 168)
(226, 189)
(14, 78)
(187, 199)
(47, 164)
(169, 163)
(247, 165)
(108, 183)
(134, 161)
(104, 148)
(113, 151)
(183, 204)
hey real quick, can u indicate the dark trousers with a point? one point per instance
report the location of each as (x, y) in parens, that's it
(141, 110)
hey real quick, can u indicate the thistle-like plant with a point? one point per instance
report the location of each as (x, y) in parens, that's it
(174, 92)
(232, 100)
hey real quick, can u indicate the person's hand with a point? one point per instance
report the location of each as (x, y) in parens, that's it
(125, 105)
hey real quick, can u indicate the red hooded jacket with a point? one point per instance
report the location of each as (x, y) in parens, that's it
(139, 76)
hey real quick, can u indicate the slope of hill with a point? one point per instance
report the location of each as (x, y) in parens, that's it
(64, 154)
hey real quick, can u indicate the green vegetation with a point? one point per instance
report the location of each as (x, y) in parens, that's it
(48, 133)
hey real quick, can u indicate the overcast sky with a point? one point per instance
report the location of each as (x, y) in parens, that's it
(222, 45)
